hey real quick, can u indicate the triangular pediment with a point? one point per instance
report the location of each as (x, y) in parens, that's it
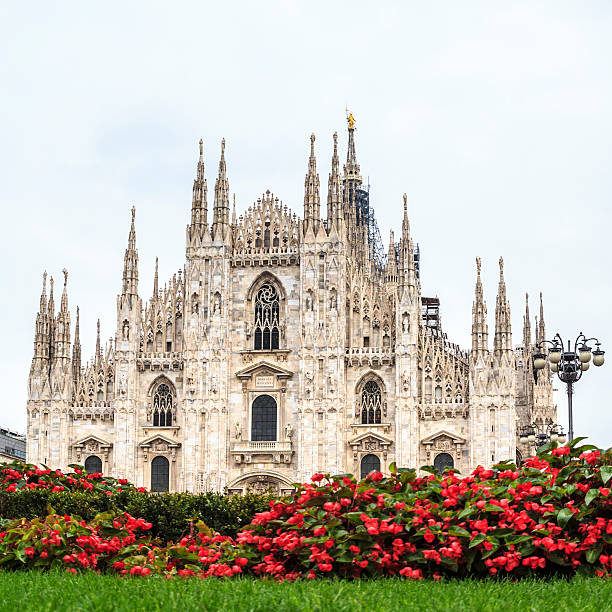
(441, 434)
(370, 436)
(89, 439)
(264, 368)
(159, 438)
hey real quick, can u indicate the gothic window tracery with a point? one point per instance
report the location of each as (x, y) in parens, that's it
(266, 327)
(371, 403)
(162, 406)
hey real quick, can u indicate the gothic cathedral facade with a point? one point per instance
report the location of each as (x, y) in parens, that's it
(284, 347)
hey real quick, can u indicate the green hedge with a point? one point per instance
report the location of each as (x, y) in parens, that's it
(170, 513)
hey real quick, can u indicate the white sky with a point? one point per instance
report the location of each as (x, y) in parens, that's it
(493, 117)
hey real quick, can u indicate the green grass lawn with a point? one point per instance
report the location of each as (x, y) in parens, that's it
(26, 591)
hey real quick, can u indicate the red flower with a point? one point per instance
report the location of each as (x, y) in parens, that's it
(29, 551)
(562, 450)
(319, 531)
(604, 491)
(317, 477)
(429, 536)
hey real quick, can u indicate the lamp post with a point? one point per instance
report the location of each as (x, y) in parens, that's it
(569, 364)
(540, 435)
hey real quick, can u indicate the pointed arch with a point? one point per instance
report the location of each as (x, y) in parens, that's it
(162, 411)
(266, 277)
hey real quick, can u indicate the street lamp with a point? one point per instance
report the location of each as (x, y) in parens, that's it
(540, 435)
(569, 364)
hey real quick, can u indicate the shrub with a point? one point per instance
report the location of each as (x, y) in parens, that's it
(553, 515)
(27, 491)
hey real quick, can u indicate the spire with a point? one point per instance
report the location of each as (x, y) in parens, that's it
(503, 328)
(334, 188)
(480, 329)
(98, 357)
(130, 263)
(76, 350)
(352, 178)
(312, 198)
(542, 326)
(221, 208)
(64, 301)
(43, 295)
(351, 157)
(41, 328)
(156, 279)
(391, 275)
(405, 222)
(526, 328)
(234, 217)
(51, 304)
(199, 205)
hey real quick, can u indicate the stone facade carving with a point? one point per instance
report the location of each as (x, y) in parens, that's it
(261, 398)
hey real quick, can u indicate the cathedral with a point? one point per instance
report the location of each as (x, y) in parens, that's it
(285, 346)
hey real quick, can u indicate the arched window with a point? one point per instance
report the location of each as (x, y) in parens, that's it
(369, 463)
(266, 328)
(371, 402)
(263, 419)
(160, 474)
(93, 465)
(162, 406)
(442, 461)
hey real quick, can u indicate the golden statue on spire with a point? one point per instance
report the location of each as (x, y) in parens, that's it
(350, 119)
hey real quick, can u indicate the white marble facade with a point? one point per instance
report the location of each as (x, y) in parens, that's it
(285, 346)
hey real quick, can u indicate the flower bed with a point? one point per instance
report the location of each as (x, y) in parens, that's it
(553, 515)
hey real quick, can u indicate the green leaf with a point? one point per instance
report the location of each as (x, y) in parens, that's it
(593, 553)
(575, 441)
(468, 511)
(563, 516)
(605, 471)
(393, 468)
(478, 539)
(543, 450)
(459, 532)
(590, 496)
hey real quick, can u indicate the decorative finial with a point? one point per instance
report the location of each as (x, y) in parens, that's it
(526, 298)
(51, 286)
(133, 213)
(223, 147)
(312, 141)
(405, 203)
(201, 147)
(44, 281)
(335, 142)
(66, 276)
(501, 266)
(478, 265)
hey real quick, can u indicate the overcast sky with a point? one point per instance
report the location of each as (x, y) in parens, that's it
(494, 118)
